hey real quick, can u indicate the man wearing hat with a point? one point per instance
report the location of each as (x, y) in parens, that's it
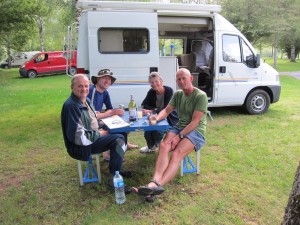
(99, 95)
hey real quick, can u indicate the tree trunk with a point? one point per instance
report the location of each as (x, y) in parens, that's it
(40, 25)
(275, 51)
(9, 57)
(293, 56)
(292, 210)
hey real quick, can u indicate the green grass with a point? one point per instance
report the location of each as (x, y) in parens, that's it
(284, 65)
(247, 166)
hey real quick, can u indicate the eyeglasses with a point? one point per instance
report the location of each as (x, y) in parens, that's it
(105, 71)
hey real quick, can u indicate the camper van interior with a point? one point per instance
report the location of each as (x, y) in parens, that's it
(191, 41)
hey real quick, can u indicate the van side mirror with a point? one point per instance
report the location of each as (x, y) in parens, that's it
(257, 61)
(253, 61)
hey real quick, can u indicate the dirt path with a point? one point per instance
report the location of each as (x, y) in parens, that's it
(294, 74)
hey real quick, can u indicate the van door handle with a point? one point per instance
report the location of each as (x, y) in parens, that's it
(222, 69)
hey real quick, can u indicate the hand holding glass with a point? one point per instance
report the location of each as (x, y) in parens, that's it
(152, 119)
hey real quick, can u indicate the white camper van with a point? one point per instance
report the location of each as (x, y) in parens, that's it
(133, 39)
(18, 59)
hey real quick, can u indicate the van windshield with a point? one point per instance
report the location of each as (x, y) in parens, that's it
(32, 57)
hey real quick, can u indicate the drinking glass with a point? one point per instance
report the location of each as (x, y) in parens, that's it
(153, 121)
(139, 114)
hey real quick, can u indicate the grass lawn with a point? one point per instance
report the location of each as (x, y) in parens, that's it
(284, 65)
(247, 167)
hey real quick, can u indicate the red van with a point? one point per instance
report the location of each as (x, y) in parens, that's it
(49, 63)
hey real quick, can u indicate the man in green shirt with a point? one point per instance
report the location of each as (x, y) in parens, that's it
(188, 135)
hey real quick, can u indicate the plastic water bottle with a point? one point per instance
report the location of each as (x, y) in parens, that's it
(119, 188)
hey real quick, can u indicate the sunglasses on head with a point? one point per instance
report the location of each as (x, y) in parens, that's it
(105, 71)
(155, 74)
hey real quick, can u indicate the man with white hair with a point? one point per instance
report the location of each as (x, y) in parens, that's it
(81, 132)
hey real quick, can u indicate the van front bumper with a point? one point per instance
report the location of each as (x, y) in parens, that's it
(276, 92)
(23, 72)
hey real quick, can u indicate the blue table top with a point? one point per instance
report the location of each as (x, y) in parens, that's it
(141, 125)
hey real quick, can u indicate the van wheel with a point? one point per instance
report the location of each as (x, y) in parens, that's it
(73, 70)
(257, 102)
(5, 67)
(31, 74)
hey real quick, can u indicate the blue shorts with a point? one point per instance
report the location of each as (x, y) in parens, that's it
(194, 136)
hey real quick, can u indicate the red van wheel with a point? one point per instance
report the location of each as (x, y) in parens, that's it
(31, 74)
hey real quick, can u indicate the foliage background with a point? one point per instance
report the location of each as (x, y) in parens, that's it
(268, 24)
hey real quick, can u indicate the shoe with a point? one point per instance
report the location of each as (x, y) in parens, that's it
(145, 149)
(127, 189)
(145, 190)
(150, 198)
(126, 174)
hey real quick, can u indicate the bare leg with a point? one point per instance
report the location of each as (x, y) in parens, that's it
(162, 160)
(165, 168)
(183, 148)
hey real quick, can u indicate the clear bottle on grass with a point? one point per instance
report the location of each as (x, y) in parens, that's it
(119, 188)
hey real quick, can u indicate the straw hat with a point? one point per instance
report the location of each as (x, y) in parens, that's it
(103, 73)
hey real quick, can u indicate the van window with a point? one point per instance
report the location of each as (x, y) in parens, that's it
(171, 46)
(123, 40)
(231, 49)
(248, 55)
(41, 58)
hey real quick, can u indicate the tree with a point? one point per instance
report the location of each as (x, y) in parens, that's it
(250, 17)
(14, 27)
(291, 32)
(292, 211)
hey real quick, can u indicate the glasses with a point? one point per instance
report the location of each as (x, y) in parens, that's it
(105, 71)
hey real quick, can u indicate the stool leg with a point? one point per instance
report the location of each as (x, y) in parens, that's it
(198, 162)
(181, 167)
(98, 167)
(80, 172)
(209, 114)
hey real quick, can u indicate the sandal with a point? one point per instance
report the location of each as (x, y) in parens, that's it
(145, 190)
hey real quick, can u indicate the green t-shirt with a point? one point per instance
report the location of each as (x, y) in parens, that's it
(186, 105)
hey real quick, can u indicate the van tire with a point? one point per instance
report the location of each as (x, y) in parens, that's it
(257, 102)
(72, 70)
(31, 74)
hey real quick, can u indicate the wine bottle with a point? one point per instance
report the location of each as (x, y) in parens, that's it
(132, 109)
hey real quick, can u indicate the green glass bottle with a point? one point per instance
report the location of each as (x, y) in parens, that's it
(132, 109)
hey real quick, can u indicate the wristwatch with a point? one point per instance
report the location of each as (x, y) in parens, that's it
(181, 136)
